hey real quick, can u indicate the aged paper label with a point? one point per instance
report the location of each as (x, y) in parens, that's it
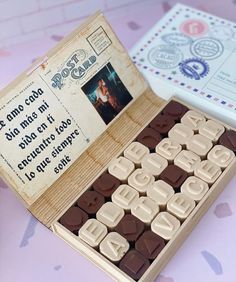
(48, 119)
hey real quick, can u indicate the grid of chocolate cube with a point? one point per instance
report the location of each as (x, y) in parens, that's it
(133, 209)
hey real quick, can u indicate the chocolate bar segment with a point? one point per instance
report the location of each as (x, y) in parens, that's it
(175, 110)
(134, 264)
(106, 184)
(162, 123)
(174, 176)
(149, 138)
(130, 227)
(74, 219)
(150, 245)
(90, 202)
(228, 139)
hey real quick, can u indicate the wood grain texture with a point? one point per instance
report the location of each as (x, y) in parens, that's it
(95, 158)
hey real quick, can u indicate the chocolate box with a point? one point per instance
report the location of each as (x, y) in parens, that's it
(69, 128)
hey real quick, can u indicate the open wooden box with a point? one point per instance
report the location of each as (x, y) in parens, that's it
(49, 186)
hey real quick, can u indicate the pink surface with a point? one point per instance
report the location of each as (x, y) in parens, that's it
(31, 253)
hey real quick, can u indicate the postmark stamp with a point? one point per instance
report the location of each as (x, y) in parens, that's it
(194, 68)
(194, 27)
(176, 39)
(222, 32)
(207, 48)
(165, 56)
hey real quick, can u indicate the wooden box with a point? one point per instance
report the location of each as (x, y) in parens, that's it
(59, 131)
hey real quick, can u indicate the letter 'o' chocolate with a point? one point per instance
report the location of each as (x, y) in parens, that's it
(149, 138)
(175, 110)
(228, 139)
(130, 227)
(134, 264)
(106, 184)
(74, 219)
(162, 123)
(150, 245)
(90, 202)
(174, 176)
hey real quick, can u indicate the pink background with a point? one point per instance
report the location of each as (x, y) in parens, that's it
(28, 251)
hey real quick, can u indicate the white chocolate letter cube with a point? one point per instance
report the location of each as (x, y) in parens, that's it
(168, 148)
(125, 196)
(145, 209)
(160, 192)
(135, 152)
(180, 206)
(114, 246)
(221, 156)
(194, 188)
(207, 171)
(165, 225)
(212, 130)
(154, 164)
(110, 214)
(140, 180)
(180, 133)
(193, 120)
(121, 168)
(187, 160)
(199, 144)
(92, 232)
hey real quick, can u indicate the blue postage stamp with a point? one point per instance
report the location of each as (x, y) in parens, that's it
(194, 68)
(207, 48)
(165, 56)
(176, 39)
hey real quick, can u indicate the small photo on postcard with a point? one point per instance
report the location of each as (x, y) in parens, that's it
(107, 93)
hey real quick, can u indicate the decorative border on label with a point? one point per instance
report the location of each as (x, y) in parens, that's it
(170, 78)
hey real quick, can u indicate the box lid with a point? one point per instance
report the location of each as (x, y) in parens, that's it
(54, 111)
(192, 54)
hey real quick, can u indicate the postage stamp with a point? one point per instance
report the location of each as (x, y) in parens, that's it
(176, 39)
(194, 68)
(194, 27)
(207, 48)
(222, 32)
(165, 56)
